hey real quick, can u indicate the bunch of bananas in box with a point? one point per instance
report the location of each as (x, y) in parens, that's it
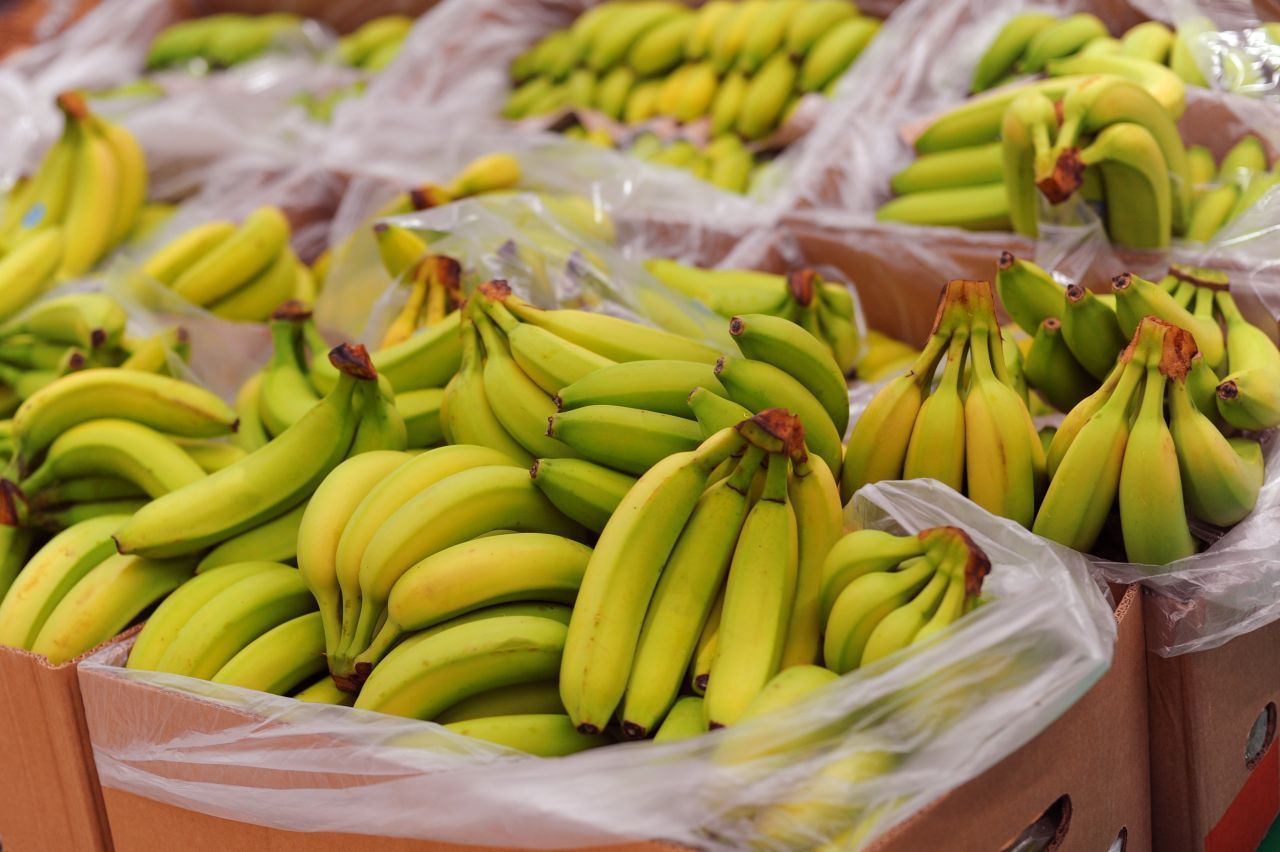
(970, 430)
(1222, 191)
(1100, 126)
(727, 71)
(219, 41)
(198, 505)
(1030, 40)
(824, 309)
(84, 199)
(1140, 443)
(376, 43)
(1234, 377)
(64, 334)
(239, 271)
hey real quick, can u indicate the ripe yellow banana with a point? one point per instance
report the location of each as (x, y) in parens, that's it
(631, 440)
(685, 720)
(815, 497)
(260, 238)
(544, 735)
(28, 269)
(835, 51)
(517, 699)
(180, 253)
(465, 412)
(280, 660)
(276, 540)
(864, 603)
(936, 449)
(862, 552)
(94, 195)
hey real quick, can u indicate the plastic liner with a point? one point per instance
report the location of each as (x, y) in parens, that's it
(929, 52)
(937, 718)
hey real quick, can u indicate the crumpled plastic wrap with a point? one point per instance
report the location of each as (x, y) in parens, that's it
(927, 722)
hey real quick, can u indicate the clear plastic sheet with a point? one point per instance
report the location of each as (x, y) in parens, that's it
(933, 720)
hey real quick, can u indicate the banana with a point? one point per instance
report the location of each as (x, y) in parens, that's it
(477, 574)
(276, 540)
(28, 269)
(400, 249)
(1221, 478)
(1004, 460)
(131, 164)
(759, 595)
(322, 524)
(835, 51)
(662, 47)
(1002, 56)
(520, 405)
(1089, 456)
(899, 628)
(804, 357)
(696, 93)
(211, 455)
(233, 618)
(1258, 186)
(865, 551)
(16, 544)
(976, 166)
(119, 448)
(768, 34)
(725, 291)
(156, 354)
(815, 497)
(465, 412)
(356, 47)
(1159, 81)
(421, 412)
(1135, 174)
(41, 201)
(87, 489)
(1061, 38)
(707, 23)
(1053, 370)
(543, 735)
(381, 427)
(1152, 512)
(732, 33)
(642, 102)
(714, 412)
(325, 691)
(766, 95)
(255, 244)
(975, 208)
(759, 386)
(456, 509)
(686, 719)
(631, 440)
(658, 385)
(1091, 332)
(178, 608)
(551, 361)
(1249, 397)
(1245, 158)
(94, 194)
(376, 500)
(263, 485)
(864, 603)
(1027, 132)
(729, 100)
(422, 679)
(280, 660)
(250, 431)
(978, 120)
(179, 254)
(705, 651)
(1150, 40)
(936, 449)
(625, 27)
(87, 320)
(613, 91)
(614, 338)
(581, 87)
(583, 491)
(621, 577)
(255, 300)
(667, 98)
(106, 601)
(1202, 168)
(488, 173)
(1137, 298)
(878, 443)
(814, 20)
(517, 699)
(50, 574)
(682, 600)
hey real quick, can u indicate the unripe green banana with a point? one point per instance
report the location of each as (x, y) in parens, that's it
(1007, 48)
(1091, 331)
(1150, 40)
(806, 358)
(975, 208)
(815, 496)
(1249, 397)
(864, 603)
(1053, 370)
(583, 491)
(766, 95)
(662, 47)
(1062, 38)
(814, 20)
(976, 166)
(28, 269)
(1137, 298)
(465, 412)
(835, 51)
(1221, 478)
(768, 32)
(625, 28)
(658, 385)
(612, 92)
(937, 446)
(631, 440)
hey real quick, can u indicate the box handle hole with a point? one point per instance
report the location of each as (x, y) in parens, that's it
(1260, 735)
(1048, 832)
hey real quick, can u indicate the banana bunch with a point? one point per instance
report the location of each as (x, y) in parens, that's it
(1222, 191)
(1029, 41)
(1141, 443)
(725, 162)
(882, 593)
(83, 200)
(983, 445)
(434, 281)
(237, 272)
(1111, 136)
(827, 310)
(218, 41)
(376, 43)
(1078, 335)
(737, 68)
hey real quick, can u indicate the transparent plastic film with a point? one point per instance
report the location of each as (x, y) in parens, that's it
(843, 765)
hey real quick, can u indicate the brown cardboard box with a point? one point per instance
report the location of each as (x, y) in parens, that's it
(1094, 755)
(49, 794)
(1212, 789)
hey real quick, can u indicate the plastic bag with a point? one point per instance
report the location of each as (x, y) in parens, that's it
(928, 722)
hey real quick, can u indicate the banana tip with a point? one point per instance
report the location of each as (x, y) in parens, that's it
(588, 729)
(1121, 281)
(551, 426)
(97, 337)
(632, 731)
(1228, 390)
(533, 471)
(737, 326)
(1005, 261)
(1075, 292)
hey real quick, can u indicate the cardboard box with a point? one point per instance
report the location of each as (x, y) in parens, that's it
(1093, 760)
(1215, 778)
(49, 794)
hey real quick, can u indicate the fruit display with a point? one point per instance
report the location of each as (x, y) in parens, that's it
(1221, 192)
(1030, 40)
(700, 89)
